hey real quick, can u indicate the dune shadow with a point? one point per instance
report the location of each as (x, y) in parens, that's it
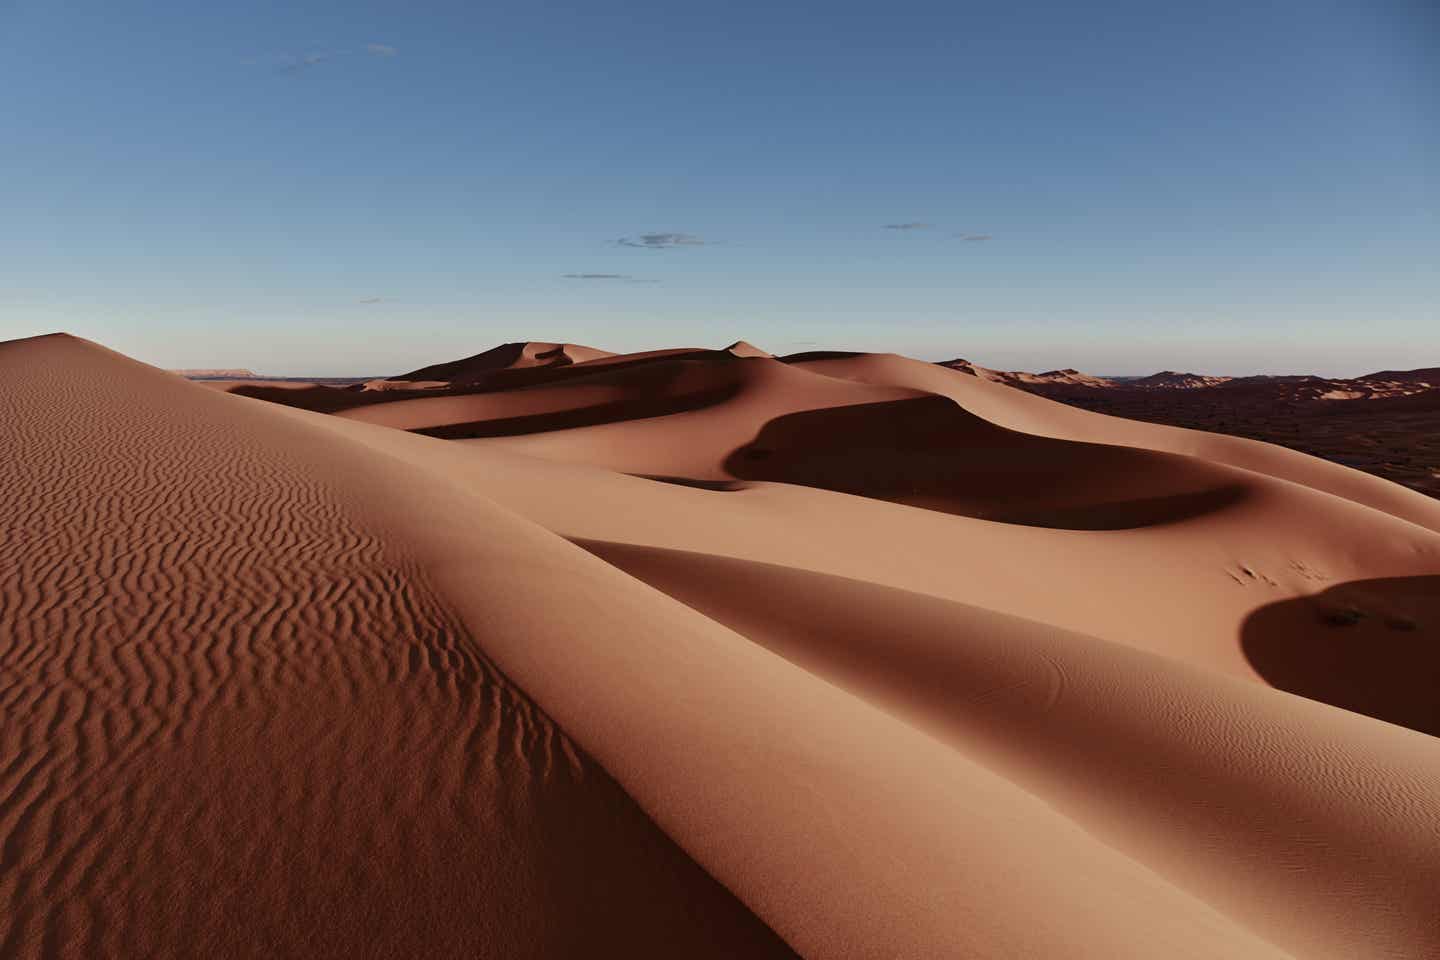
(723, 486)
(317, 398)
(1368, 646)
(929, 452)
(511, 378)
(324, 398)
(1130, 513)
(806, 356)
(496, 358)
(654, 391)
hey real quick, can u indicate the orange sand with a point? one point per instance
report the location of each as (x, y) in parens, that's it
(554, 652)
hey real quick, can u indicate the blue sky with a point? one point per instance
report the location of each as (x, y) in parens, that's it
(363, 187)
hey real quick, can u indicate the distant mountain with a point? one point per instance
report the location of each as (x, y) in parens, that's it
(1386, 384)
(1427, 375)
(1171, 380)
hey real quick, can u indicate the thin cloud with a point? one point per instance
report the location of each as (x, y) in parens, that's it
(294, 63)
(621, 277)
(662, 241)
(917, 225)
(372, 300)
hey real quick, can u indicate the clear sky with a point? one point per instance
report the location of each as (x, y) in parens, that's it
(355, 187)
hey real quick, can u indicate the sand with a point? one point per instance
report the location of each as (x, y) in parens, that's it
(1385, 423)
(698, 653)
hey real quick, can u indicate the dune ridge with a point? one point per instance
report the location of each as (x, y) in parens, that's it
(555, 663)
(241, 721)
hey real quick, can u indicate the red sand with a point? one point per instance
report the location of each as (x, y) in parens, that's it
(698, 653)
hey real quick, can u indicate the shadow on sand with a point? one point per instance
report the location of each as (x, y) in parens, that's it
(1369, 646)
(929, 452)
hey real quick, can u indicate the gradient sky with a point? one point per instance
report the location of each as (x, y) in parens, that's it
(363, 187)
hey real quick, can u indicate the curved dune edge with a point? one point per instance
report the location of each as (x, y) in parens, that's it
(1207, 780)
(1018, 410)
(376, 602)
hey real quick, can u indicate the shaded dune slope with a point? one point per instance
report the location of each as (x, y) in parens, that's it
(303, 396)
(1366, 645)
(587, 395)
(928, 452)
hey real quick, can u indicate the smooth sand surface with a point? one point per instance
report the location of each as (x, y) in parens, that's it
(699, 653)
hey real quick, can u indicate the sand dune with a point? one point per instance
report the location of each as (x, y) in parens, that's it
(698, 653)
(1073, 720)
(242, 719)
(508, 356)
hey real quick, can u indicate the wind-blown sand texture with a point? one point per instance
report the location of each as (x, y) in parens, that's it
(555, 652)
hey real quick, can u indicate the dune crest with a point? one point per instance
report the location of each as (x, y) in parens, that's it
(552, 652)
(507, 356)
(742, 349)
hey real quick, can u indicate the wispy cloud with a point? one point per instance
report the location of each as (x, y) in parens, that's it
(372, 300)
(295, 62)
(918, 225)
(621, 277)
(663, 241)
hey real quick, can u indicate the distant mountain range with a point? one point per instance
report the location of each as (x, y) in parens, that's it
(1068, 383)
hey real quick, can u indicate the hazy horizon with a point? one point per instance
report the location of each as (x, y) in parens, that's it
(338, 189)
